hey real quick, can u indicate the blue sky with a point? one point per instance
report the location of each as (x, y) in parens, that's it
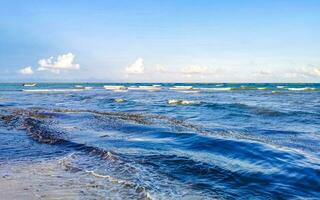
(160, 41)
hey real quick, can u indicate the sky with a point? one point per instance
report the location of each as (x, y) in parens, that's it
(160, 41)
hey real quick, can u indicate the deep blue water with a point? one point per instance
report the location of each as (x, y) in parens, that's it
(246, 141)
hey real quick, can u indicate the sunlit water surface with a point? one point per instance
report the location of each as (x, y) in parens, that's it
(240, 141)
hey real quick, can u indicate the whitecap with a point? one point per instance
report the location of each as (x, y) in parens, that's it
(180, 102)
(217, 89)
(114, 87)
(146, 88)
(189, 91)
(79, 86)
(301, 89)
(181, 87)
(52, 90)
(29, 84)
(121, 90)
(119, 100)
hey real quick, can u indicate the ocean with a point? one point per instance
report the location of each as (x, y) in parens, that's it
(160, 141)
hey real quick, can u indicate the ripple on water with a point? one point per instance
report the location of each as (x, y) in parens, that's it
(99, 147)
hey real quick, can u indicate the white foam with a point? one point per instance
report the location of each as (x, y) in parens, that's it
(119, 100)
(115, 87)
(217, 89)
(181, 88)
(189, 91)
(29, 84)
(83, 87)
(301, 89)
(121, 90)
(180, 102)
(146, 88)
(280, 86)
(52, 90)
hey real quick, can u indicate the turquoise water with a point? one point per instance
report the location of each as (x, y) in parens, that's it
(223, 141)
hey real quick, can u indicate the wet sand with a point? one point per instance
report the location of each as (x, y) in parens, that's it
(56, 179)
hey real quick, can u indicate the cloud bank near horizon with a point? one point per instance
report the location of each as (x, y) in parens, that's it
(138, 71)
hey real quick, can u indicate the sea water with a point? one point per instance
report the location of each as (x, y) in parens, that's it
(201, 141)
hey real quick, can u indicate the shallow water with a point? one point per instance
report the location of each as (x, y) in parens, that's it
(219, 141)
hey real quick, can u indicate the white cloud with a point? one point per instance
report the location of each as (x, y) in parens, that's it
(26, 71)
(316, 71)
(161, 68)
(194, 69)
(310, 71)
(263, 72)
(304, 72)
(136, 68)
(63, 62)
(290, 75)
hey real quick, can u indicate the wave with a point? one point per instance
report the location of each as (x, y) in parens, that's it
(187, 87)
(52, 90)
(119, 100)
(128, 184)
(302, 89)
(231, 106)
(216, 89)
(275, 92)
(44, 134)
(182, 89)
(262, 88)
(43, 129)
(40, 125)
(115, 87)
(258, 88)
(193, 91)
(32, 121)
(247, 88)
(234, 88)
(181, 102)
(154, 88)
(240, 106)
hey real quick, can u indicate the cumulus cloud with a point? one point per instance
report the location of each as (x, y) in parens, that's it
(63, 62)
(26, 71)
(194, 69)
(136, 68)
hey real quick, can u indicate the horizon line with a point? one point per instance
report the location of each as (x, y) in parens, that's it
(115, 82)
